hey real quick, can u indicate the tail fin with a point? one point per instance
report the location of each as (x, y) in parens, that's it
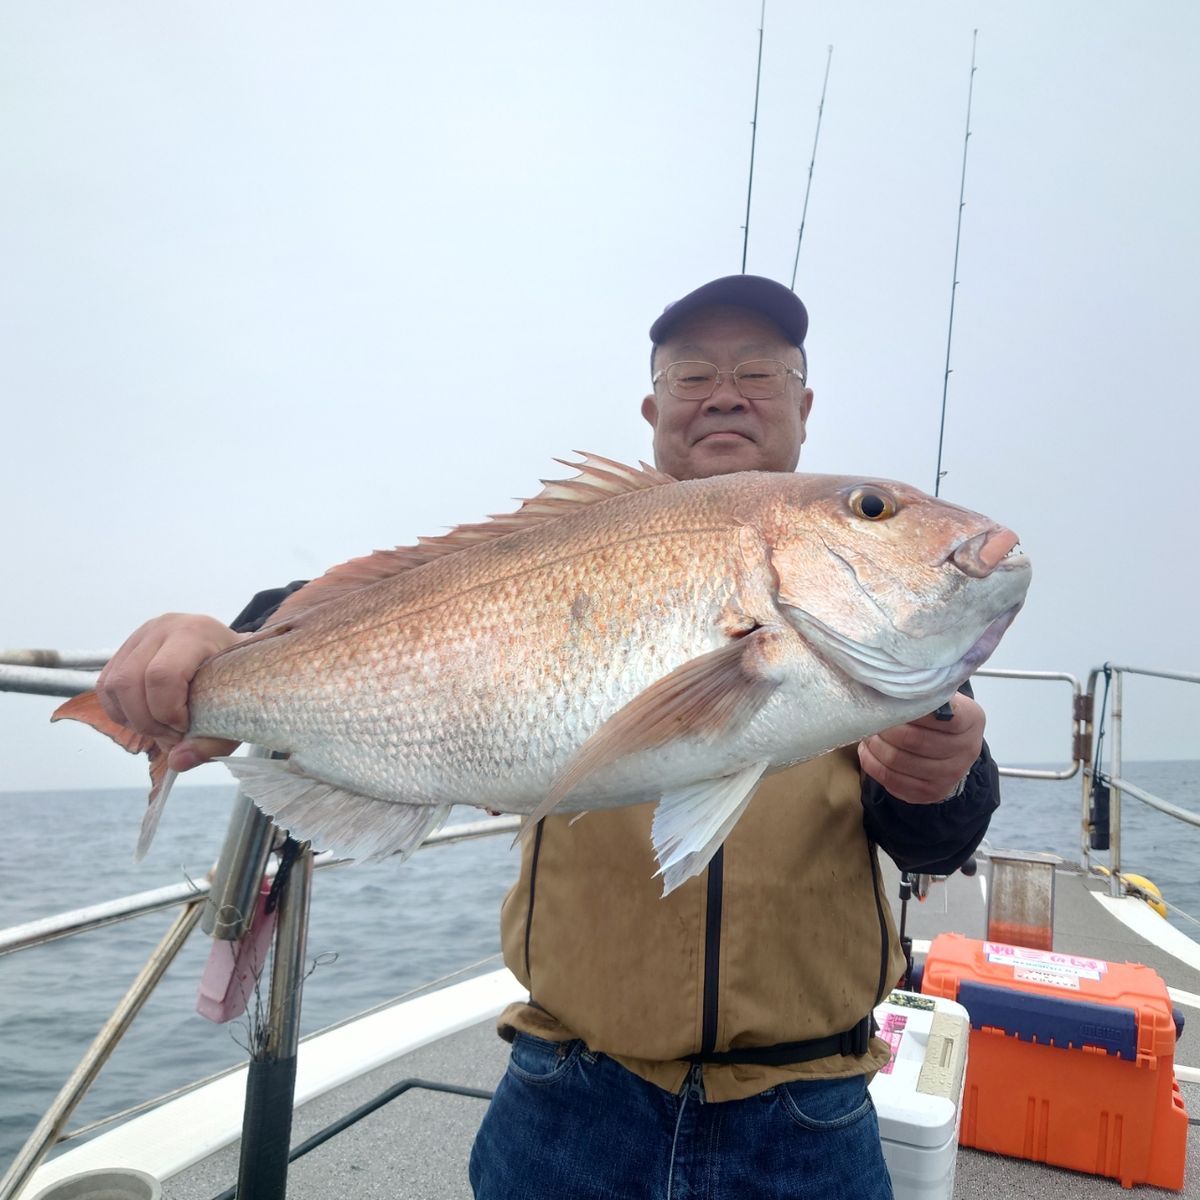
(86, 707)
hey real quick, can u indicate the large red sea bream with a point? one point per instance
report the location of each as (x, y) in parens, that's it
(622, 638)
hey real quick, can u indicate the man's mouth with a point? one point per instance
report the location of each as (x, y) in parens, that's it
(722, 435)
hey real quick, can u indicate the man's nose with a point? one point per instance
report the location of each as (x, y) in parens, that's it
(725, 397)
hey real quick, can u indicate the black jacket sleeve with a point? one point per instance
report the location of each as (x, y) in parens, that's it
(262, 606)
(934, 838)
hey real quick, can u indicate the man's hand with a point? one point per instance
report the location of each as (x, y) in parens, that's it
(145, 684)
(923, 761)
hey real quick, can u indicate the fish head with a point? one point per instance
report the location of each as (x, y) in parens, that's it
(905, 593)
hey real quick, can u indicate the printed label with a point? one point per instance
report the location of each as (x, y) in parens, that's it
(1052, 978)
(892, 1032)
(1044, 960)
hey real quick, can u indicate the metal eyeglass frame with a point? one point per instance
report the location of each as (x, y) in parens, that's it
(661, 374)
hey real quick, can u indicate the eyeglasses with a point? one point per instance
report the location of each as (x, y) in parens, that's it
(758, 379)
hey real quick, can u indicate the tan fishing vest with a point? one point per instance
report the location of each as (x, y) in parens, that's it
(803, 943)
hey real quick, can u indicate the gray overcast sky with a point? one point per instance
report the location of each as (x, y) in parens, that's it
(280, 284)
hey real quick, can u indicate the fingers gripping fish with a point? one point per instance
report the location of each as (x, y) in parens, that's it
(622, 638)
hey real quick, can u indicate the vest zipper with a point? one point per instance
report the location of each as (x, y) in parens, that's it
(712, 951)
(884, 984)
(693, 1086)
(537, 852)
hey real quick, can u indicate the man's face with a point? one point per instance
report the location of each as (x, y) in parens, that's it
(725, 433)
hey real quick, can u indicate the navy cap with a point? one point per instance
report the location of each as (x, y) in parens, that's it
(756, 292)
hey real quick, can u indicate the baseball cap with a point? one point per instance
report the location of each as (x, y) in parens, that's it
(756, 292)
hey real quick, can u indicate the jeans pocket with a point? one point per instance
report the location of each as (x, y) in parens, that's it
(827, 1104)
(538, 1061)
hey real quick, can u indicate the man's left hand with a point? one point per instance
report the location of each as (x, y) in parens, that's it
(922, 762)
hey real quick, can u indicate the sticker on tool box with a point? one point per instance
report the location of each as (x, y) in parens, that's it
(1066, 965)
(1050, 978)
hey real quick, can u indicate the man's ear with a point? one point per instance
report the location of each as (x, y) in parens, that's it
(650, 410)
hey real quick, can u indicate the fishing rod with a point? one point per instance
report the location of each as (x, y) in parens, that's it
(753, 134)
(812, 162)
(937, 482)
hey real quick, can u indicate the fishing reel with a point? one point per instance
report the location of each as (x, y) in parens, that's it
(916, 883)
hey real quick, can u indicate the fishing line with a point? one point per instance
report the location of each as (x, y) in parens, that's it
(1096, 773)
(812, 162)
(753, 135)
(937, 482)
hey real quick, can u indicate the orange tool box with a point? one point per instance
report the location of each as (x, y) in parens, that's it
(1071, 1059)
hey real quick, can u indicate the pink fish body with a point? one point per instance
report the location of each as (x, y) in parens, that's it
(622, 638)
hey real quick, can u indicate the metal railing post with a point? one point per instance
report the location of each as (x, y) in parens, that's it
(1087, 743)
(1114, 805)
(249, 838)
(1085, 820)
(271, 1081)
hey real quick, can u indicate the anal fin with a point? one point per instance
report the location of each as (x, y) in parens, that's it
(333, 818)
(691, 822)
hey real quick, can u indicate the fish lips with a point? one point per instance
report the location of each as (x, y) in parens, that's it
(980, 555)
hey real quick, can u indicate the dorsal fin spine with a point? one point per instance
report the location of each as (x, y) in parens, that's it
(598, 479)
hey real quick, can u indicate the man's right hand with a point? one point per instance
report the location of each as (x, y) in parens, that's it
(145, 684)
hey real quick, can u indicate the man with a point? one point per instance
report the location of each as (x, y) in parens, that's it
(715, 1042)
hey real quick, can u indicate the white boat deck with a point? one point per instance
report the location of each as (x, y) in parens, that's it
(417, 1146)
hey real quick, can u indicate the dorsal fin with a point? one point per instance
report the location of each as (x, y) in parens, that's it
(598, 479)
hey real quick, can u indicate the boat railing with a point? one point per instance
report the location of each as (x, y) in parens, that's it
(1100, 824)
(139, 904)
(51, 672)
(57, 673)
(1076, 730)
(1096, 778)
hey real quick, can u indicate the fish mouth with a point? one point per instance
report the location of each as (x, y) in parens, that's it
(980, 555)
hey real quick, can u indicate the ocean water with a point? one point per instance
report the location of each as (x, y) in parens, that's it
(376, 931)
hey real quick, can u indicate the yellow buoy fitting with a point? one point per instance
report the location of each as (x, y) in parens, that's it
(1149, 892)
(1143, 889)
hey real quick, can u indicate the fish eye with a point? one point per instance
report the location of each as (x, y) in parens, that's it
(872, 504)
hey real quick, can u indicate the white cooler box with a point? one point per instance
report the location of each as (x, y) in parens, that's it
(918, 1095)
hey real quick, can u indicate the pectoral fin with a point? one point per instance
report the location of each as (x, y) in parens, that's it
(709, 696)
(690, 823)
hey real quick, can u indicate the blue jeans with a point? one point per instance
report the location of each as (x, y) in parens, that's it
(568, 1124)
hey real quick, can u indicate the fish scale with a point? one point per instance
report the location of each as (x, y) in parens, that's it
(507, 664)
